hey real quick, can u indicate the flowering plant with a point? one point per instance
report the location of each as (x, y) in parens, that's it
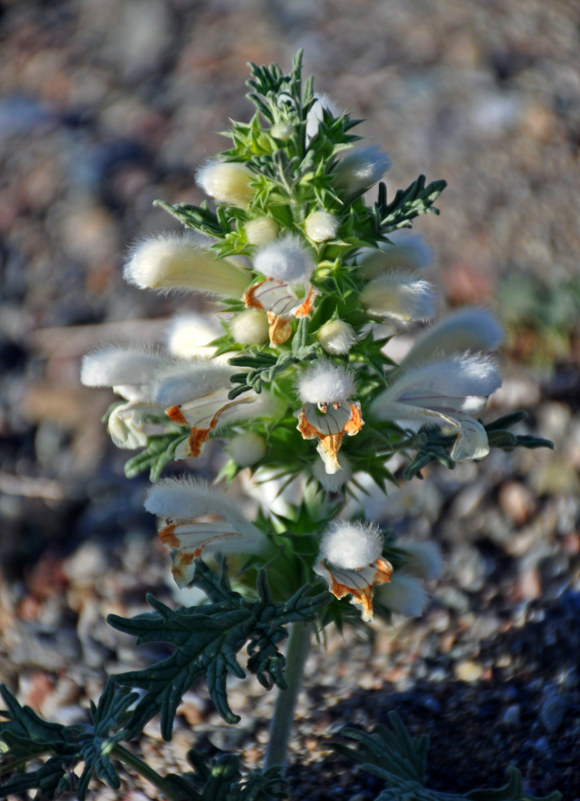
(309, 284)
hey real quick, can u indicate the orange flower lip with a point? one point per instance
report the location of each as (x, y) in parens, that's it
(357, 582)
(281, 304)
(329, 422)
(202, 415)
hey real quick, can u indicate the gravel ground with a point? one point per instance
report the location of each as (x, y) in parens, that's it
(105, 106)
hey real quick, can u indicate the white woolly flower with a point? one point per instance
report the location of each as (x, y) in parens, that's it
(320, 226)
(285, 259)
(227, 181)
(422, 559)
(399, 297)
(445, 393)
(468, 329)
(246, 449)
(404, 595)
(336, 337)
(327, 414)
(190, 379)
(408, 252)
(360, 169)
(261, 230)
(351, 544)
(115, 366)
(250, 327)
(350, 560)
(190, 334)
(195, 519)
(183, 261)
(325, 382)
(132, 374)
(316, 112)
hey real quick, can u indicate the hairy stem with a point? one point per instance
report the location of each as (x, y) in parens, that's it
(141, 767)
(281, 723)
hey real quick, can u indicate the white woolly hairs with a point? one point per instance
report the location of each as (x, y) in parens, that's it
(351, 545)
(325, 382)
(175, 261)
(187, 498)
(226, 181)
(468, 329)
(455, 377)
(361, 168)
(114, 365)
(189, 380)
(336, 337)
(399, 296)
(285, 259)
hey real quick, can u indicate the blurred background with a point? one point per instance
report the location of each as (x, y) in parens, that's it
(106, 105)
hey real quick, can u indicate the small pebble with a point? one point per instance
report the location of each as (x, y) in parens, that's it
(468, 671)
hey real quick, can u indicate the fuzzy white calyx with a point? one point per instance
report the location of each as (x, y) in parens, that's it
(360, 169)
(285, 259)
(250, 327)
(188, 380)
(261, 230)
(399, 297)
(336, 337)
(470, 329)
(117, 366)
(174, 261)
(325, 382)
(408, 252)
(227, 182)
(351, 544)
(320, 226)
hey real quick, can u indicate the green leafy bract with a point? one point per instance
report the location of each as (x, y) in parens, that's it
(206, 640)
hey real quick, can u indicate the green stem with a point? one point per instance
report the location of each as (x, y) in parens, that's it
(135, 762)
(281, 723)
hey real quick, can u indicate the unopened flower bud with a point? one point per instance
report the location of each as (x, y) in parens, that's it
(248, 448)
(250, 327)
(336, 337)
(261, 231)
(408, 252)
(399, 297)
(321, 226)
(360, 169)
(227, 181)
(282, 131)
(173, 261)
